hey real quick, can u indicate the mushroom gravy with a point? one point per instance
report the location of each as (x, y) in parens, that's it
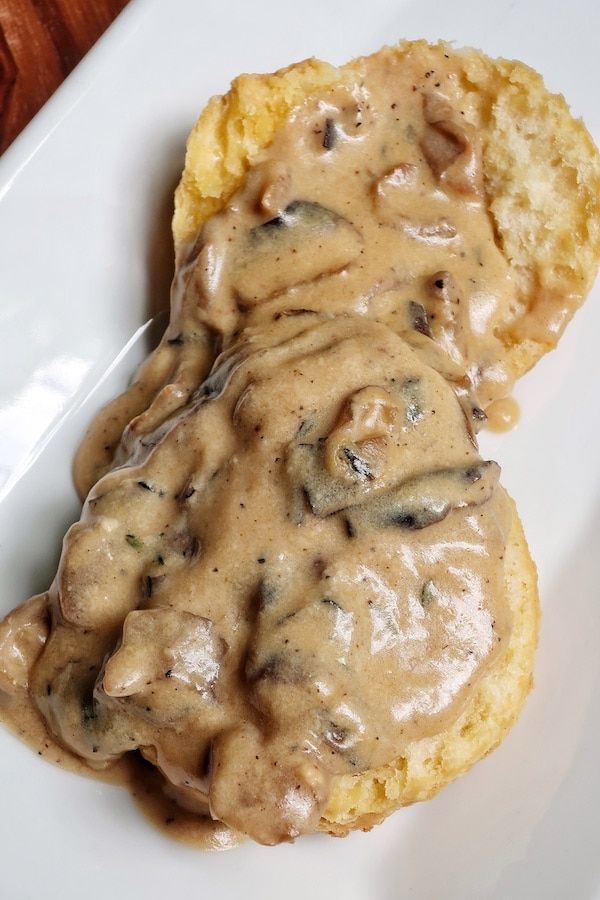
(291, 565)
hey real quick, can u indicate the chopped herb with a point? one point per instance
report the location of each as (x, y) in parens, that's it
(146, 486)
(261, 560)
(134, 541)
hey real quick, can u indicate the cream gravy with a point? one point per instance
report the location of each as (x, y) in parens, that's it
(293, 563)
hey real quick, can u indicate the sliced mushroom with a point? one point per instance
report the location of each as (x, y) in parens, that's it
(276, 188)
(271, 793)
(391, 187)
(92, 592)
(167, 667)
(365, 452)
(307, 240)
(448, 146)
(62, 686)
(427, 499)
(394, 200)
(325, 493)
(356, 449)
(279, 654)
(162, 644)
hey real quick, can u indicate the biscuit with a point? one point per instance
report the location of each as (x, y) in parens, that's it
(428, 765)
(541, 171)
(542, 180)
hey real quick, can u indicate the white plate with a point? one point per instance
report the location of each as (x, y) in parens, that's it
(85, 258)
